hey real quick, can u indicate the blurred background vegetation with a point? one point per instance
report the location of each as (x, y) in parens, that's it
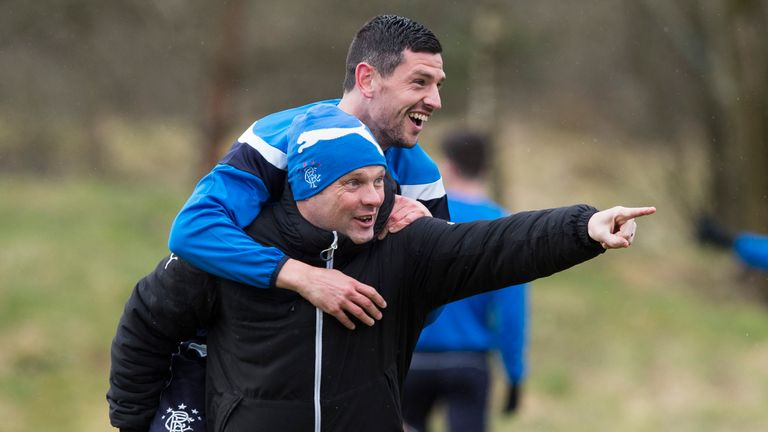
(111, 111)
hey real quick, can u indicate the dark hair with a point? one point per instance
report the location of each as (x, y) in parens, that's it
(381, 42)
(468, 151)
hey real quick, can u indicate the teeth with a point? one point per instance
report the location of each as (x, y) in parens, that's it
(418, 116)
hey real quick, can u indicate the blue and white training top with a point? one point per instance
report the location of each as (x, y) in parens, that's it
(496, 320)
(208, 231)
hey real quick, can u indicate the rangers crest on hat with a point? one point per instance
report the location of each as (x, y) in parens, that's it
(311, 176)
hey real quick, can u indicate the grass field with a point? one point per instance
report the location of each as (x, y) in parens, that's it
(656, 338)
(71, 252)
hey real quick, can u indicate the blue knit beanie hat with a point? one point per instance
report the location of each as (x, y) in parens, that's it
(324, 144)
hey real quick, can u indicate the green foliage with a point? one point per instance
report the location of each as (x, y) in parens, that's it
(71, 252)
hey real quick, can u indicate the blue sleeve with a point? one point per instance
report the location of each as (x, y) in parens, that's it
(419, 178)
(208, 231)
(752, 249)
(433, 315)
(511, 310)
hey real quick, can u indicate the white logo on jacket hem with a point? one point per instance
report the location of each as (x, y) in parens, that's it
(173, 257)
(180, 420)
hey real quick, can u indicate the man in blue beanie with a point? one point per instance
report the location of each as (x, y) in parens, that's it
(275, 361)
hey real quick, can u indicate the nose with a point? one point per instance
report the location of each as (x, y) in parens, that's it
(372, 196)
(432, 99)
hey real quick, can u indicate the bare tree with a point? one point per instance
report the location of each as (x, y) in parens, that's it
(482, 101)
(222, 83)
(724, 47)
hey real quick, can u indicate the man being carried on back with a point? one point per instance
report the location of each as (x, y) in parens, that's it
(394, 69)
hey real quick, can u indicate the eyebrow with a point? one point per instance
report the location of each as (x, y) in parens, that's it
(359, 175)
(426, 74)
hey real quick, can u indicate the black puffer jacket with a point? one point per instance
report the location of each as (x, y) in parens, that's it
(276, 363)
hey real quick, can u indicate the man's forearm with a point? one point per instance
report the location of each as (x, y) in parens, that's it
(208, 231)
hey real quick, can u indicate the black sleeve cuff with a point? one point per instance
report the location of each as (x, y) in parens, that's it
(582, 231)
(273, 278)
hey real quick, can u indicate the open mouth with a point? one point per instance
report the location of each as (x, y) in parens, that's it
(365, 219)
(418, 118)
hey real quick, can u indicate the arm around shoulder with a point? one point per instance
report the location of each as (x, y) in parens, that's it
(208, 231)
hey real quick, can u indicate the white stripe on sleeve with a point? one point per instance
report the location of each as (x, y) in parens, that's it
(424, 192)
(271, 154)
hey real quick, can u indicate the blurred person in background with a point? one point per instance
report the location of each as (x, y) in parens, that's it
(750, 248)
(450, 364)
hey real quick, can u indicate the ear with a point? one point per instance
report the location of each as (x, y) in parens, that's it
(448, 170)
(365, 79)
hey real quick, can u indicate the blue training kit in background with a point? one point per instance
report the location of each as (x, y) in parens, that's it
(464, 325)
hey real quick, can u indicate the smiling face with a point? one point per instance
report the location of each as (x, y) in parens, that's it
(349, 205)
(403, 101)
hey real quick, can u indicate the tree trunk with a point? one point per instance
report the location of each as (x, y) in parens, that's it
(724, 46)
(482, 102)
(223, 82)
(740, 87)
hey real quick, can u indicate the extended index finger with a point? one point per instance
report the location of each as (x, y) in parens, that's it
(627, 213)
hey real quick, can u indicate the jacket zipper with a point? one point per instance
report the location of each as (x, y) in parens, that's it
(327, 255)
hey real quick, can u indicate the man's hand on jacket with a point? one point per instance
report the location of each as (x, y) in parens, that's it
(404, 212)
(333, 292)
